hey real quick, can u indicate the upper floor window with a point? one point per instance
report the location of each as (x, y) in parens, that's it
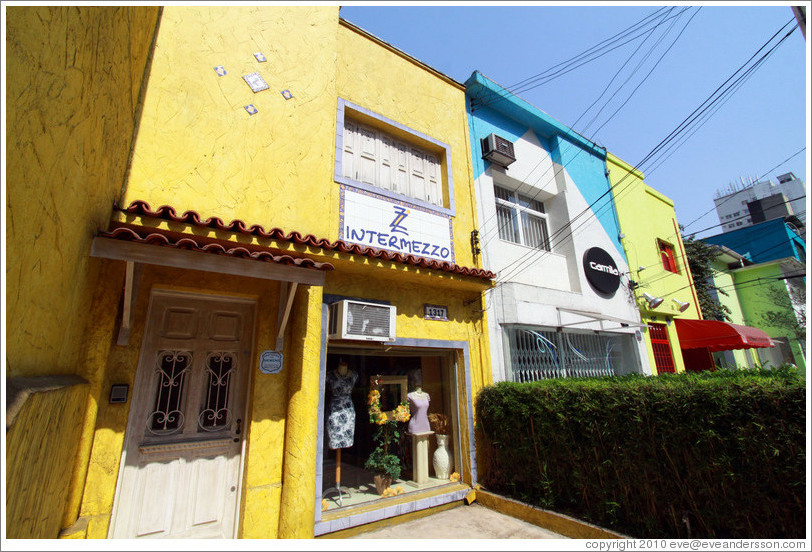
(521, 219)
(375, 157)
(667, 256)
(387, 158)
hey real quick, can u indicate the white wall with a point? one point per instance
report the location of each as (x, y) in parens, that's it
(548, 282)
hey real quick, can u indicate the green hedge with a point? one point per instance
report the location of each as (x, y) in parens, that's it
(713, 455)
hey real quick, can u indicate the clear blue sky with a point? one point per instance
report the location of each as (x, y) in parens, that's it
(755, 130)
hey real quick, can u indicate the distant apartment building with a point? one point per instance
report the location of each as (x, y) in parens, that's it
(759, 201)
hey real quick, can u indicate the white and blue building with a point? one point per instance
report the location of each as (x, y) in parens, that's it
(548, 228)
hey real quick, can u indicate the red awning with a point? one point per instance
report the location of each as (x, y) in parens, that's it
(719, 336)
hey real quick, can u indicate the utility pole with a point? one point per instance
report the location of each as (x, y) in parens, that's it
(800, 16)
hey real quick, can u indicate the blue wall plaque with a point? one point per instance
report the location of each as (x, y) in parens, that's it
(270, 362)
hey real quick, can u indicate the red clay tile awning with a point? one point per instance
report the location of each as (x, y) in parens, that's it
(167, 212)
(719, 336)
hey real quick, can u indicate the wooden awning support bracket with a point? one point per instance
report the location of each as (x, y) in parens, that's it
(132, 275)
(286, 295)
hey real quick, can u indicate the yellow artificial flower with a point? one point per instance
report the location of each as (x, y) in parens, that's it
(402, 413)
(454, 477)
(324, 504)
(399, 490)
(381, 418)
(389, 491)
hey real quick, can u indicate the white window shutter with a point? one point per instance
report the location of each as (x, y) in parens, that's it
(434, 192)
(385, 171)
(349, 159)
(369, 157)
(417, 174)
(401, 175)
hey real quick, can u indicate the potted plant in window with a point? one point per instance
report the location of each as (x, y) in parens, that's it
(382, 462)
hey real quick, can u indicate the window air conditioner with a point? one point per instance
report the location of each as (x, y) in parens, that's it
(498, 150)
(362, 321)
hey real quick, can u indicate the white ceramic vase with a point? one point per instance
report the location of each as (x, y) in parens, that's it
(443, 459)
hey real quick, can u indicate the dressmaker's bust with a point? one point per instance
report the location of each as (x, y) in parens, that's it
(419, 406)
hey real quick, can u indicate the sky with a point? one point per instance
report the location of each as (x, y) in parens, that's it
(636, 95)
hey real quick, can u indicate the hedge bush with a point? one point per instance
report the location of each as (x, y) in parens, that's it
(707, 455)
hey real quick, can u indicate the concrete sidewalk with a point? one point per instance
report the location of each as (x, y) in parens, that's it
(463, 522)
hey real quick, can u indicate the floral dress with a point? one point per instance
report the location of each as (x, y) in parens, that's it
(341, 420)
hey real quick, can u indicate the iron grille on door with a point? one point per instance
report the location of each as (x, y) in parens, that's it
(662, 348)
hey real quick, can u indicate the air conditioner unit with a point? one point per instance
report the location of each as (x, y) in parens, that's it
(362, 321)
(498, 150)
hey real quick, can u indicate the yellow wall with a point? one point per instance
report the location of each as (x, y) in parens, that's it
(73, 76)
(394, 86)
(646, 215)
(267, 400)
(73, 79)
(37, 484)
(198, 149)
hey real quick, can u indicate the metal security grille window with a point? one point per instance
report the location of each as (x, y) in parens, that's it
(521, 219)
(662, 348)
(374, 157)
(543, 354)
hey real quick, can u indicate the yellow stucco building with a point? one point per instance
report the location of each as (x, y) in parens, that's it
(224, 230)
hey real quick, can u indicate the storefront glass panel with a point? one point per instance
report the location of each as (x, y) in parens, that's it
(349, 436)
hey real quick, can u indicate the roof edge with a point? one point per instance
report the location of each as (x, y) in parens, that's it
(401, 53)
(478, 86)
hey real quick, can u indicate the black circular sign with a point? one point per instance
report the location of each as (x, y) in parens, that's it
(601, 270)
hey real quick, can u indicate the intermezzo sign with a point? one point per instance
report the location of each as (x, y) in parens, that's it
(374, 221)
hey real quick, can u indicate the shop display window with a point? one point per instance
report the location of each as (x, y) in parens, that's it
(387, 412)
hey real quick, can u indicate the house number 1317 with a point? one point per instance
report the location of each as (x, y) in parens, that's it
(436, 312)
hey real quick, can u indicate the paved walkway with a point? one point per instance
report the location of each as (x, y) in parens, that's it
(463, 522)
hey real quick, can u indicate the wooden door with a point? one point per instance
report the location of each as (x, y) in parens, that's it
(180, 469)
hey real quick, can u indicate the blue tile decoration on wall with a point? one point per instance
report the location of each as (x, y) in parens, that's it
(256, 82)
(260, 56)
(287, 95)
(220, 70)
(251, 109)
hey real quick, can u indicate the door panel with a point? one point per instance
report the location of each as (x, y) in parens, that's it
(182, 456)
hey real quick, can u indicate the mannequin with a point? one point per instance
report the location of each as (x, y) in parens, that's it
(420, 430)
(419, 405)
(341, 418)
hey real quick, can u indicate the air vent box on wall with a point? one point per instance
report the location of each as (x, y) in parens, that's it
(498, 150)
(362, 321)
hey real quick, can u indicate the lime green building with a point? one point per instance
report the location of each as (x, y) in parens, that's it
(677, 336)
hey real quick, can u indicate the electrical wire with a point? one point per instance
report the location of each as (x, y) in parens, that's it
(500, 227)
(734, 193)
(691, 118)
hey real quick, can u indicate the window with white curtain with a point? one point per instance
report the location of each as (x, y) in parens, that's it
(521, 219)
(374, 157)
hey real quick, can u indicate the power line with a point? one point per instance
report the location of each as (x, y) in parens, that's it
(681, 127)
(651, 70)
(726, 271)
(787, 202)
(732, 194)
(501, 226)
(528, 84)
(588, 50)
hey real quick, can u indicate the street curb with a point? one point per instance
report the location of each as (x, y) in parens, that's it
(552, 521)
